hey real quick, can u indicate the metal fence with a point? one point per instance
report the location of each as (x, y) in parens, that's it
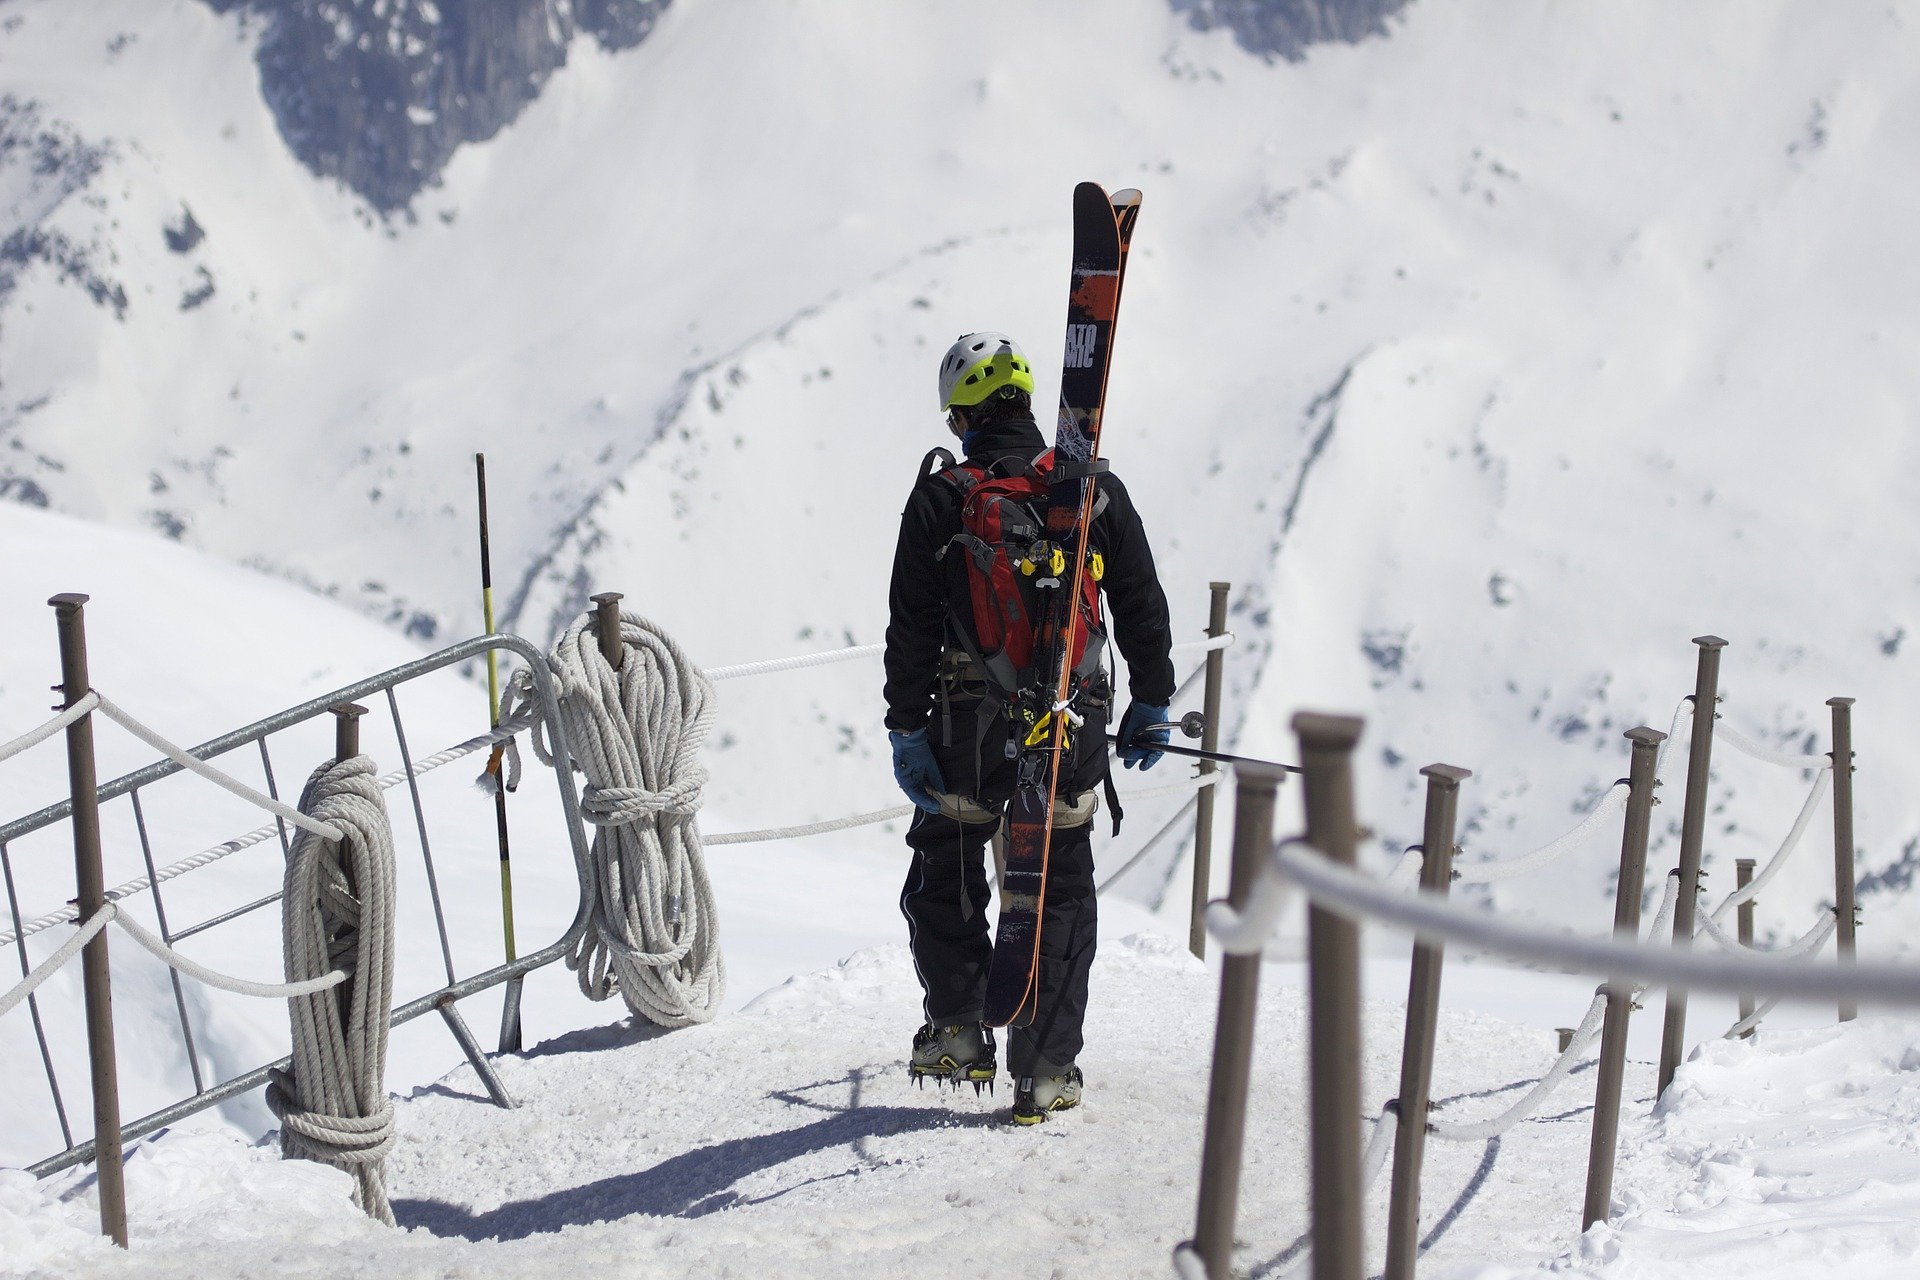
(258, 739)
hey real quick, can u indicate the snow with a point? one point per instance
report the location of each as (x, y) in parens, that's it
(1490, 361)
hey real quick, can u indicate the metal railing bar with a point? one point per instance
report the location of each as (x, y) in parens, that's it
(273, 789)
(166, 936)
(420, 820)
(308, 710)
(33, 1004)
(225, 916)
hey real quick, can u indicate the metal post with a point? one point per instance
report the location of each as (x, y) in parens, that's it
(1742, 877)
(1626, 924)
(92, 885)
(346, 729)
(1693, 826)
(608, 603)
(1209, 741)
(1843, 882)
(1233, 1034)
(1423, 1009)
(1333, 1001)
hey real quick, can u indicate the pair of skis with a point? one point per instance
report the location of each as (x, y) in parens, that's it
(1102, 230)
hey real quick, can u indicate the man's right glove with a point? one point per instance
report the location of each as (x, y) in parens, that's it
(915, 769)
(1136, 749)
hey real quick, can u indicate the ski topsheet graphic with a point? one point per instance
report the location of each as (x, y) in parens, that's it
(1042, 712)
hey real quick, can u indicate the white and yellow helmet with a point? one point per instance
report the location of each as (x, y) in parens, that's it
(978, 365)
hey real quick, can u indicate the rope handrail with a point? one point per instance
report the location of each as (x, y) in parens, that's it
(1823, 930)
(34, 737)
(854, 653)
(1723, 732)
(1577, 1045)
(207, 857)
(1612, 802)
(1360, 898)
(224, 981)
(1750, 890)
(878, 816)
(48, 967)
(111, 914)
(226, 781)
(1806, 944)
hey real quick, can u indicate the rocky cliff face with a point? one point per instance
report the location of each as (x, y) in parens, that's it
(380, 93)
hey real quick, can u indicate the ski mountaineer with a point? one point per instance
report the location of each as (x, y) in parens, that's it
(953, 744)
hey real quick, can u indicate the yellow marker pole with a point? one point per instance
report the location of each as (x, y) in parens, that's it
(510, 1011)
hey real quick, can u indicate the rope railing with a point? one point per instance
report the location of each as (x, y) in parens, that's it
(1806, 944)
(855, 653)
(111, 914)
(34, 737)
(506, 732)
(1749, 891)
(1354, 896)
(223, 780)
(53, 963)
(1612, 803)
(259, 835)
(1582, 1039)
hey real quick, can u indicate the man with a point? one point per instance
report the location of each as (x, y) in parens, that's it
(953, 751)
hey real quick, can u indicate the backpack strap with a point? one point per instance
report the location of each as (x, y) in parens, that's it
(936, 454)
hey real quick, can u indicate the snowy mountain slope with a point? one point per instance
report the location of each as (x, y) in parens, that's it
(1535, 288)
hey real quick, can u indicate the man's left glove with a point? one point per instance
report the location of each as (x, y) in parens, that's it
(1135, 737)
(915, 769)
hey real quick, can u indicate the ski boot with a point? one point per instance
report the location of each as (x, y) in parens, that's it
(957, 1054)
(1048, 1090)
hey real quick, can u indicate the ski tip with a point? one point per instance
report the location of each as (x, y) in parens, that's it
(1126, 199)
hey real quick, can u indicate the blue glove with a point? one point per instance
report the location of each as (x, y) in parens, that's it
(915, 769)
(1134, 735)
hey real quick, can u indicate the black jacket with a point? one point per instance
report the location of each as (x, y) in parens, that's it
(923, 584)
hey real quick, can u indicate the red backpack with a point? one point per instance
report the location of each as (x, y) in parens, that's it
(1002, 541)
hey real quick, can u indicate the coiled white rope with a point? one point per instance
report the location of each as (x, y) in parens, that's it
(338, 913)
(34, 737)
(652, 931)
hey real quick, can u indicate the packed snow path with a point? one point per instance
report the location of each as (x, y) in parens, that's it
(786, 1138)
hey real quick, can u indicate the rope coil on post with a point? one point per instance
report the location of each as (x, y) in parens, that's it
(338, 914)
(652, 932)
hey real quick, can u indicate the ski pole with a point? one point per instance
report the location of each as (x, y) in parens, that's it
(1193, 724)
(510, 1009)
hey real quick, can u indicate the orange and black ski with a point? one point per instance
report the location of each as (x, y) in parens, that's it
(1042, 711)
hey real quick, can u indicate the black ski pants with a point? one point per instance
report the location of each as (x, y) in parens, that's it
(945, 898)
